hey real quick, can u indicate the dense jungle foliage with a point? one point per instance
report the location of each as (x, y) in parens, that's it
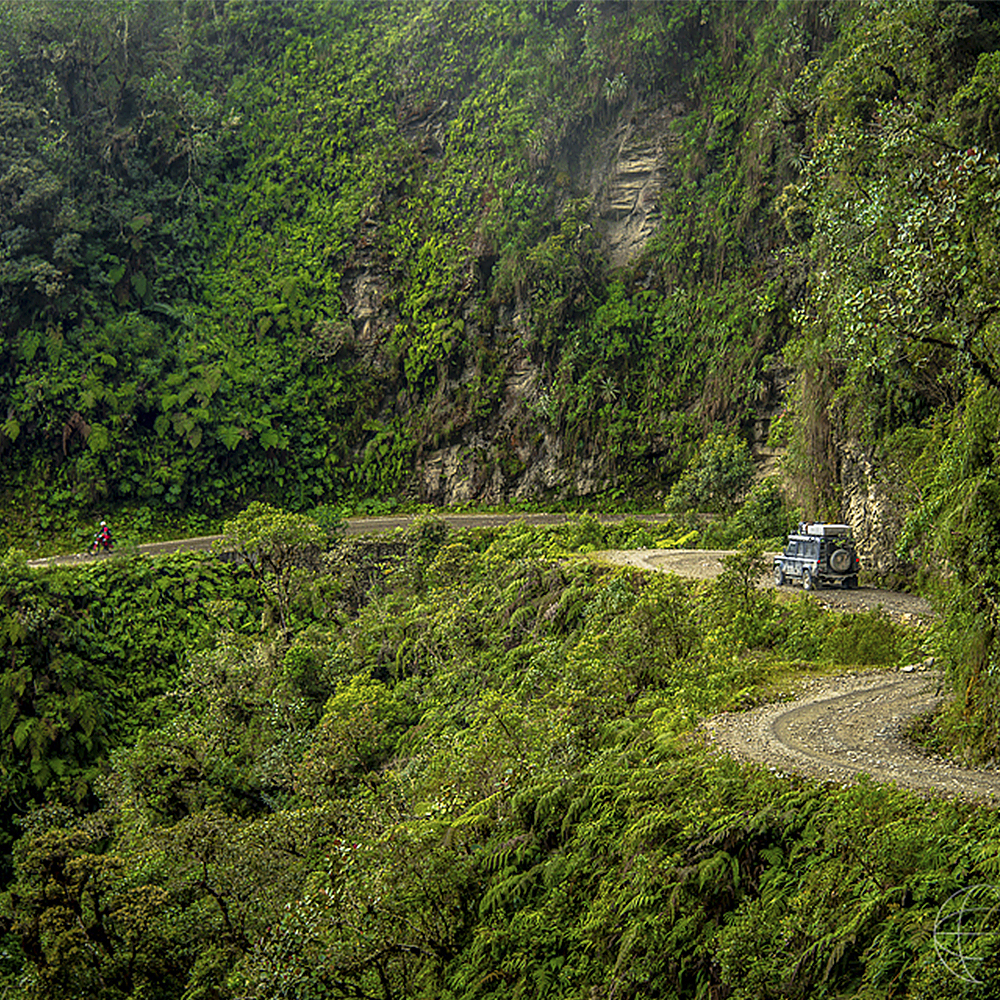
(447, 764)
(289, 251)
(191, 191)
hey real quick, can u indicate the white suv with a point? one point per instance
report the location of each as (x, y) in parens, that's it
(818, 554)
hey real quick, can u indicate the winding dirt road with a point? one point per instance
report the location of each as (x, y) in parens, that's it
(840, 728)
(836, 729)
(703, 564)
(355, 526)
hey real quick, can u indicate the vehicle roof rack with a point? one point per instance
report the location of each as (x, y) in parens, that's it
(824, 530)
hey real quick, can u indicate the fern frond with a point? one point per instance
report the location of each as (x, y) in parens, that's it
(653, 828)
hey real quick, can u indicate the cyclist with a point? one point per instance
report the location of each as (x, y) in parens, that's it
(103, 539)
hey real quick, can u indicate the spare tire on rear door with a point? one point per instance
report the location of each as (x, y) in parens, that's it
(840, 561)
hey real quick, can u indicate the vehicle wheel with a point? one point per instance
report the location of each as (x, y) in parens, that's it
(851, 582)
(840, 561)
(809, 582)
(779, 576)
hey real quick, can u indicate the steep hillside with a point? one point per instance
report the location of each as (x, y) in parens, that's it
(322, 251)
(476, 251)
(457, 250)
(449, 764)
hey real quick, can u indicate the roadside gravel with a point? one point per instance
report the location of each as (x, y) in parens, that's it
(836, 728)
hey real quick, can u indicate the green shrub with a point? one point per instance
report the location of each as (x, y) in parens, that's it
(862, 639)
(764, 514)
(716, 478)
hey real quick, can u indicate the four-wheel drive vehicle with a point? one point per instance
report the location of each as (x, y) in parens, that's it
(818, 554)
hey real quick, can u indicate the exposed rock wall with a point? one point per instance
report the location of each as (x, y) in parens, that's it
(625, 173)
(874, 510)
(515, 452)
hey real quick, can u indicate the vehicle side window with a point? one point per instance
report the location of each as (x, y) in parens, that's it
(791, 549)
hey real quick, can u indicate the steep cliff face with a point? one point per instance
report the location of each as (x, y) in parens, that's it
(625, 174)
(872, 505)
(424, 272)
(505, 414)
(512, 449)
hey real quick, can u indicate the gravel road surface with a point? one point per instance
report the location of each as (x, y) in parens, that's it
(840, 728)
(355, 526)
(703, 564)
(837, 728)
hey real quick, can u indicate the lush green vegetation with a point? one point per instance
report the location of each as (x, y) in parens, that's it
(193, 187)
(462, 763)
(895, 213)
(87, 652)
(286, 251)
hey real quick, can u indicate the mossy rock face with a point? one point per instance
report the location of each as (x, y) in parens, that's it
(342, 255)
